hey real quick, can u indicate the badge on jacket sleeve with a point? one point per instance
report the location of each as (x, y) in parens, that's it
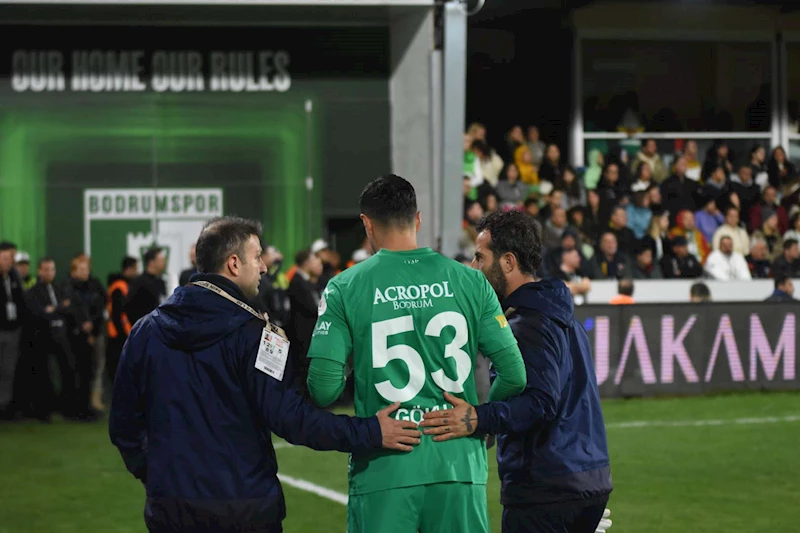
(273, 351)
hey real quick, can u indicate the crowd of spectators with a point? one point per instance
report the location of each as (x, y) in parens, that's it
(637, 216)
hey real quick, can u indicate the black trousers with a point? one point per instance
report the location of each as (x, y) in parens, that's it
(563, 518)
(45, 400)
(113, 352)
(84, 372)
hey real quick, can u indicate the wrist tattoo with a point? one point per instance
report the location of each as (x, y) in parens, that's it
(468, 420)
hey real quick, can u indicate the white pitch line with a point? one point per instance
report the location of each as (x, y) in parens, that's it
(699, 423)
(282, 445)
(307, 486)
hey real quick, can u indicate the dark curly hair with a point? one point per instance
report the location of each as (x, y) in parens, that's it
(515, 232)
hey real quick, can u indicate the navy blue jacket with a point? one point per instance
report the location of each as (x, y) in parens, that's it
(551, 439)
(192, 416)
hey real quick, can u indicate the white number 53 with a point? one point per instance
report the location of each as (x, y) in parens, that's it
(382, 355)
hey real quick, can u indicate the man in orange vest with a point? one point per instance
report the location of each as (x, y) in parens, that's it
(118, 325)
(624, 293)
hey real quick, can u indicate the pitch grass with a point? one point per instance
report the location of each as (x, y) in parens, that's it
(66, 477)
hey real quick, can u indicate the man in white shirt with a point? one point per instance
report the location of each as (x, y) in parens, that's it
(732, 229)
(725, 264)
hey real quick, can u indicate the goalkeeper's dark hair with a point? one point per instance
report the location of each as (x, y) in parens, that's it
(389, 201)
(517, 233)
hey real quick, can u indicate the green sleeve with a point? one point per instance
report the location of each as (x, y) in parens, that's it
(511, 376)
(332, 338)
(325, 381)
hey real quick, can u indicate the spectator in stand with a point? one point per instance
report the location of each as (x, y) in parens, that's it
(638, 213)
(532, 207)
(784, 290)
(746, 189)
(473, 212)
(732, 229)
(489, 202)
(591, 217)
(699, 293)
(678, 191)
(654, 193)
(725, 264)
(768, 206)
(642, 178)
(717, 181)
(594, 169)
(524, 161)
(608, 262)
(624, 293)
(553, 200)
(757, 166)
(551, 168)
(789, 261)
(510, 190)
(554, 228)
(757, 260)
(717, 156)
(472, 166)
(696, 242)
(491, 164)
(657, 237)
(794, 226)
(709, 218)
(552, 258)
(618, 224)
(693, 165)
(612, 191)
(649, 155)
(769, 234)
(680, 263)
(569, 272)
(644, 267)
(781, 171)
(535, 144)
(514, 139)
(572, 189)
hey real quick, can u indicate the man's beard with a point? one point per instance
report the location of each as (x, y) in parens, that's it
(497, 280)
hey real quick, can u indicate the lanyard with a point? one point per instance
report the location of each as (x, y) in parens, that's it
(510, 311)
(261, 316)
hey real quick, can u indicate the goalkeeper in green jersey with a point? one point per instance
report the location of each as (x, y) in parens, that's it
(413, 322)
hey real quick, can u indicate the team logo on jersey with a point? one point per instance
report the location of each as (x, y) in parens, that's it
(501, 319)
(323, 306)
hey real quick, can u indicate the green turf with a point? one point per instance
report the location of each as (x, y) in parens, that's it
(728, 478)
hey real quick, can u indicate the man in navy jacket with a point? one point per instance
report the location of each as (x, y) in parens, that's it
(202, 382)
(552, 454)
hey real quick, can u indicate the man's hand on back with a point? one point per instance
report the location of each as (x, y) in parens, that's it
(397, 434)
(460, 421)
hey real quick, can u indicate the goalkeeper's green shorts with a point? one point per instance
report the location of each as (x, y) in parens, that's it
(436, 508)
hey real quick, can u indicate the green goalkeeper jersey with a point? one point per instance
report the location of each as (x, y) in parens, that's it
(413, 322)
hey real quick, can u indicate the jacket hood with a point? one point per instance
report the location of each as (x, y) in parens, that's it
(550, 297)
(194, 318)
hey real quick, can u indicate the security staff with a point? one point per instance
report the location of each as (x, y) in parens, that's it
(202, 382)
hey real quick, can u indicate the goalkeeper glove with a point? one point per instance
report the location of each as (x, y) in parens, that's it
(605, 522)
